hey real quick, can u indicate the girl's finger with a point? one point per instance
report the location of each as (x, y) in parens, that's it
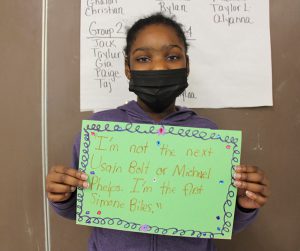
(59, 188)
(253, 187)
(260, 200)
(248, 169)
(67, 180)
(69, 171)
(251, 177)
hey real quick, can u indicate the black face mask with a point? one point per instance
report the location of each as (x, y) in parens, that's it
(158, 88)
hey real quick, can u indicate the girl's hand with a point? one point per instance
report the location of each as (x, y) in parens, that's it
(62, 181)
(253, 186)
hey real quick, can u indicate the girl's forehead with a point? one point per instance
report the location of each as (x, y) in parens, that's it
(157, 36)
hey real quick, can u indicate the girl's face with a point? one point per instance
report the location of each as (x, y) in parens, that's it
(157, 47)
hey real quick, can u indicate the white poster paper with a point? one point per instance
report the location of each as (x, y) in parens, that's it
(230, 55)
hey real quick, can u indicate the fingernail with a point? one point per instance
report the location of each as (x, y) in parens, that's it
(73, 189)
(84, 176)
(85, 184)
(237, 176)
(237, 183)
(250, 194)
(237, 168)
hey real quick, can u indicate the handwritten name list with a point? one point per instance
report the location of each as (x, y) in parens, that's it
(103, 32)
(231, 12)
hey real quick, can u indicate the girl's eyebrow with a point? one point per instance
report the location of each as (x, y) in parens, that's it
(170, 46)
(164, 47)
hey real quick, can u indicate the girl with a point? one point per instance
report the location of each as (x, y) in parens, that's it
(157, 66)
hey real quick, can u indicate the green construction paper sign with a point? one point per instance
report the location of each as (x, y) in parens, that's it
(155, 179)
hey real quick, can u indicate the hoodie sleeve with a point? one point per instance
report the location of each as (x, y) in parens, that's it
(243, 218)
(67, 208)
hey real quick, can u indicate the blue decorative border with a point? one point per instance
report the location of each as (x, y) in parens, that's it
(135, 128)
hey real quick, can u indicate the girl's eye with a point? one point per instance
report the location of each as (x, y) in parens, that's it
(173, 57)
(143, 59)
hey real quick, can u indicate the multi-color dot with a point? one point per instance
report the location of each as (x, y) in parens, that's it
(228, 147)
(145, 228)
(221, 182)
(154, 180)
(99, 212)
(219, 229)
(92, 133)
(158, 143)
(161, 131)
(92, 172)
(87, 212)
(218, 218)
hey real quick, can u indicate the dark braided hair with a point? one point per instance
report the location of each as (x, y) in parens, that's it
(157, 18)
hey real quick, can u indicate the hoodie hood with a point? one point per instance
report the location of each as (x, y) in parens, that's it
(133, 113)
(140, 116)
(182, 117)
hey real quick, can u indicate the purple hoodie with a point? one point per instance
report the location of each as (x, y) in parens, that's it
(114, 240)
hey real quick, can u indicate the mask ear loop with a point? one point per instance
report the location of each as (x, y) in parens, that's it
(187, 64)
(126, 58)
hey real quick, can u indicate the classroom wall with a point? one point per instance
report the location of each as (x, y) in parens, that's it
(270, 134)
(21, 210)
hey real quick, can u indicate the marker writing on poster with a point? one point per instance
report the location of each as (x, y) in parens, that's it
(231, 12)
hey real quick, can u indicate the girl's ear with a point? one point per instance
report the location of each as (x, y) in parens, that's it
(127, 68)
(188, 64)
